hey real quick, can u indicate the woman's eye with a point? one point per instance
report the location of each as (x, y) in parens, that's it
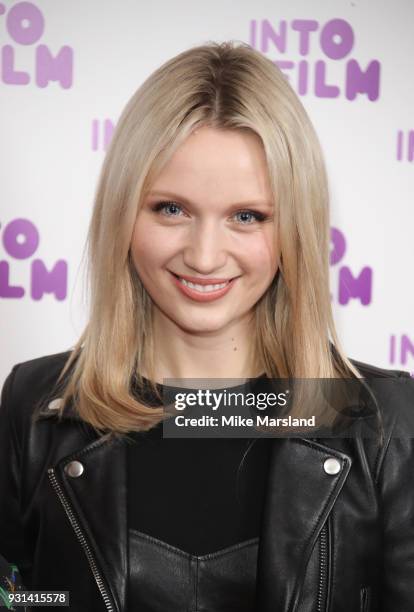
(246, 217)
(243, 217)
(170, 209)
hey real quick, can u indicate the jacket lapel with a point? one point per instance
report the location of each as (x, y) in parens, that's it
(96, 505)
(299, 496)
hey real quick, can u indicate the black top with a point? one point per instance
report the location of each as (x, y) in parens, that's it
(199, 495)
(164, 578)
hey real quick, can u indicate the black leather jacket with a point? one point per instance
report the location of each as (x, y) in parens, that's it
(339, 542)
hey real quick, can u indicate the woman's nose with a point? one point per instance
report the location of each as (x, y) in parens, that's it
(205, 248)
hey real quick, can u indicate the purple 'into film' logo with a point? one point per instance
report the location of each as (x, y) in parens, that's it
(350, 286)
(334, 40)
(20, 239)
(25, 24)
(405, 145)
(401, 350)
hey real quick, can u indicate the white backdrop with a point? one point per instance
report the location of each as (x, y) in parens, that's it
(69, 67)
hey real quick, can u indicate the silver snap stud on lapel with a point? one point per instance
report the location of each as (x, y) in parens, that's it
(332, 465)
(55, 404)
(74, 469)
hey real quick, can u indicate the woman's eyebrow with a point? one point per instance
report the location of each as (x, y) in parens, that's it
(175, 196)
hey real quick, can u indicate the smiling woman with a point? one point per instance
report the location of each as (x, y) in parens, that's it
(208, 258)
(224, 184)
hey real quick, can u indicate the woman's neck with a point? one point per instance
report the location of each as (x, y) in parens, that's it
(227, 353)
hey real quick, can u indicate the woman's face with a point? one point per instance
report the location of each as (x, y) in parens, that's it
(208, 218)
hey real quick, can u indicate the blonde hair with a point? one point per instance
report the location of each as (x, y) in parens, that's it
(229, 86)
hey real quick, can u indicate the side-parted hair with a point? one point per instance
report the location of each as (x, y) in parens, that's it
(226, 86)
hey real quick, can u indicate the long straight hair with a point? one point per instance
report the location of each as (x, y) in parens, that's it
(227, 86)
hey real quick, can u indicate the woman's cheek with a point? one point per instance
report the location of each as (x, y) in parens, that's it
(262, 254)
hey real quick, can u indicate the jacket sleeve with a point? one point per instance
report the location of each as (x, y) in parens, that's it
(11, 528)
(396, 490)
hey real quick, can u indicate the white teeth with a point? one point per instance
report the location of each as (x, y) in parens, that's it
(203, 288)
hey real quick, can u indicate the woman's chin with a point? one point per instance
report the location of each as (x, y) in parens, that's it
(196, 325)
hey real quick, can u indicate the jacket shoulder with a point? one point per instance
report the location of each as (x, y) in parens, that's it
(369, 370)
(41, 366)
(37, 375)
(29, 383)
(393, 394)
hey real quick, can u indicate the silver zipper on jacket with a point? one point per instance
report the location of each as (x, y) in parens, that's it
(323, 570)
(79, 534)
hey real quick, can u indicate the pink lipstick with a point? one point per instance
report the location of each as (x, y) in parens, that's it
(203, 289)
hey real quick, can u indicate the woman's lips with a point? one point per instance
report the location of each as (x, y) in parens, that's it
(204, 292)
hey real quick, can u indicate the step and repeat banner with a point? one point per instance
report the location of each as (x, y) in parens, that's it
(69, 67)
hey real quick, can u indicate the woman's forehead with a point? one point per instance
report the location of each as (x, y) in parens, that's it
(226, 163)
